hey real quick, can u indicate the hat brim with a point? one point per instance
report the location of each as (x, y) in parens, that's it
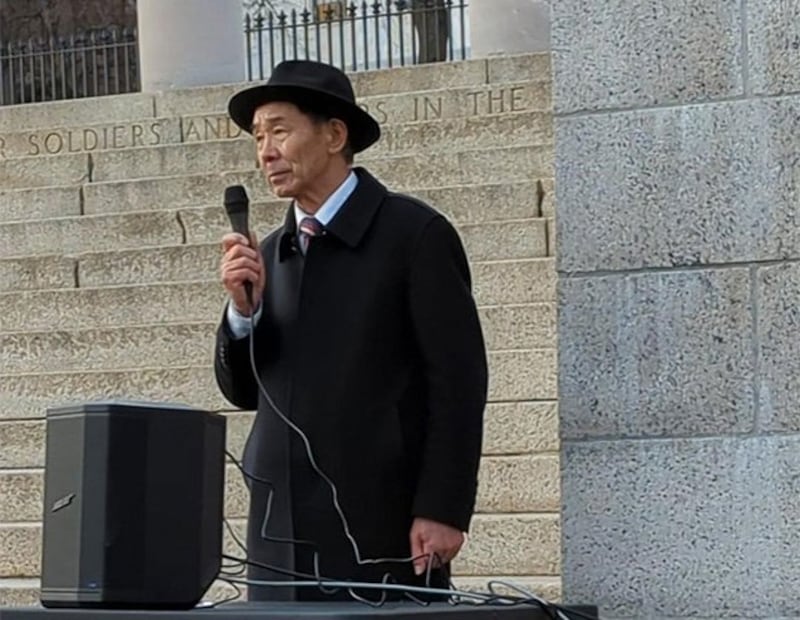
(363, 130)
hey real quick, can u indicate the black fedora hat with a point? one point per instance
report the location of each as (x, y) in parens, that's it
(314, 85)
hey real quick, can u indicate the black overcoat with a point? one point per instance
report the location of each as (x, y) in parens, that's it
(372, 346)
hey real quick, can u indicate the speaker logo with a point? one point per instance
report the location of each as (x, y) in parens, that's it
(63, 502)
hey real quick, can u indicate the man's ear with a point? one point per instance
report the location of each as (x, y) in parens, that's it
(338, 135)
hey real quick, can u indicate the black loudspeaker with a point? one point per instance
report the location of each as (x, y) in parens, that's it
(133, 505)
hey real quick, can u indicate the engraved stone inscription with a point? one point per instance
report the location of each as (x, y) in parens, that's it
(377, 110)
(497, 101)
(92, 139)
(215, 127)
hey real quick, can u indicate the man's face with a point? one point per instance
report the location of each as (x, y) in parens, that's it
(293, 150)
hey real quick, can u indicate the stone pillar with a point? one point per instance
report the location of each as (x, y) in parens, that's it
(676, 189)
(185, 43)
(509, 27)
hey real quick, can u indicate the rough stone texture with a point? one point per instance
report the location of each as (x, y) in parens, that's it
(420, 77)
(518, 67)
(777, 292)
(71, 235)
(36, 273)
(515, 95)
(518, 129)
(682, 528)
(517, 239)
(115, 135)
(465, 167)
(28, 172)
(622, 54)
(182, 263)
(683, 186)
(98, 348)
(23, 443)
(169, 192)
(19, 592)
(29, 396)
(21, 545)
(522, 375)
(519, 484)
(514, 282)
(22, 491)
(107, 307)
(169, 160)
(30, 204)
(548, 588)
(511, 544)
(656, 354)
(773, 34)
(520, 428)
(76, 112)
(531, 326)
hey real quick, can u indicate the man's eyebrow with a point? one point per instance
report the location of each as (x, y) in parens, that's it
(267, 121)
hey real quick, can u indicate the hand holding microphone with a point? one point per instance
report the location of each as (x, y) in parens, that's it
(242, 268)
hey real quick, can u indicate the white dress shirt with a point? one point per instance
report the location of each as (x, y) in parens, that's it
(239, 324)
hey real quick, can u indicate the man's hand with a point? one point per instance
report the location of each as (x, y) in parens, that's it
(433, 541)
(242, 263)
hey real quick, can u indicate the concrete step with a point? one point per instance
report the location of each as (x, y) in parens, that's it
(76, 234)
(134, 107)
(513, 239)
(19, 592)
(30, 172)
(510, 429)
(477, 165)
(515, 376)
(500, 482)
(168, 345)
(172, 159)
(40, 203)
(434, 133)
(29, 396)
(164, 301)
(75, 112)
(498, 544)
(465, 75)
(402, 173)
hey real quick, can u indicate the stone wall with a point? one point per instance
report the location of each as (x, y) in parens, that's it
(677, 175)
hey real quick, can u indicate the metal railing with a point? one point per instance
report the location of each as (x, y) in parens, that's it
(356, 35)
(103, 62)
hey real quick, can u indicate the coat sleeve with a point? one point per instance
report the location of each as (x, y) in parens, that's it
(232, 368)
(450, 339)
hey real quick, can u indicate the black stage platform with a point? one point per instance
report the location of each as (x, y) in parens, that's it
(299, 611)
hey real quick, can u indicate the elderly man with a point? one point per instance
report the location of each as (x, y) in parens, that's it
(366, 340)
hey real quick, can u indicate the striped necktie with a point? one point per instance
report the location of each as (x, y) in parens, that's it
(309, 227)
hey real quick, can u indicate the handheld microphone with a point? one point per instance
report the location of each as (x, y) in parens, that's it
(237, 204)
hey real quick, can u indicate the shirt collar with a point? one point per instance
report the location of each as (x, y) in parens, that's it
(333, 203)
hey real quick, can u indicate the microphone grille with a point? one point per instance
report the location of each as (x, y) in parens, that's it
(236, 198)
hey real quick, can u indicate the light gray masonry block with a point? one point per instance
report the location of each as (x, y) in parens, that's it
(681, 186)
(31, 204)
(702, 528)
(625, 54)
(777, 295)
(774, 41)
(76, 112)
(29, 396)
(169, 160)
(87, 308)
(656, 354)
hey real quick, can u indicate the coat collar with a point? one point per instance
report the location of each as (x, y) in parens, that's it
(350, 223)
